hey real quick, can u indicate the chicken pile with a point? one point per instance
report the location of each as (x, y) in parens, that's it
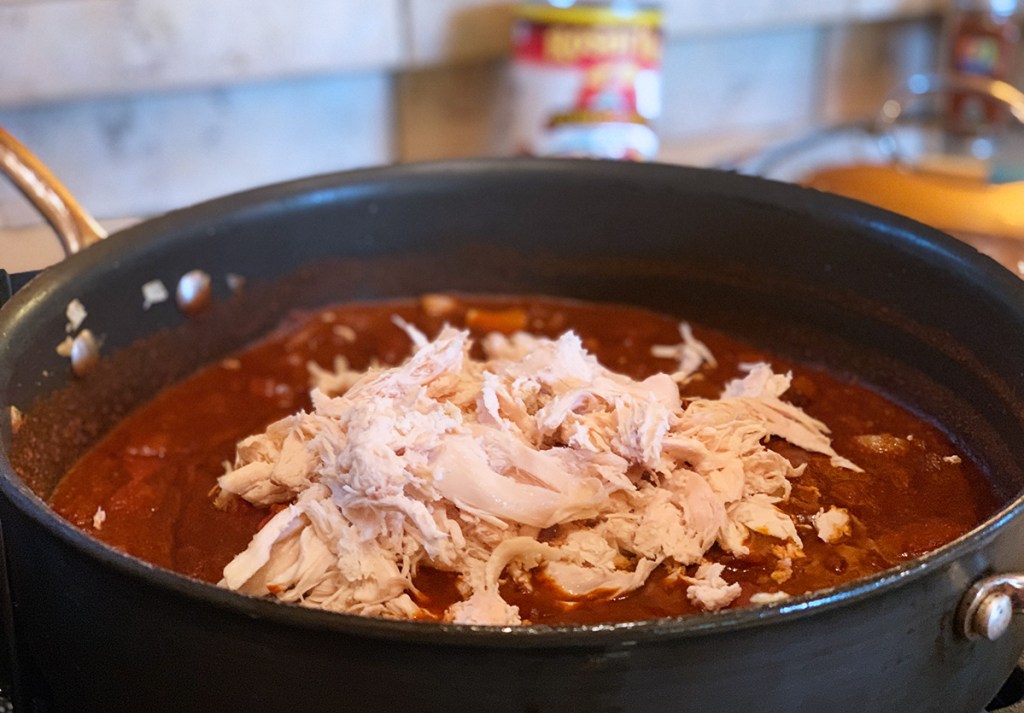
(533, 462)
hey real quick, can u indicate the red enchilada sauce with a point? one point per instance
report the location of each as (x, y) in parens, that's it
(145, 488)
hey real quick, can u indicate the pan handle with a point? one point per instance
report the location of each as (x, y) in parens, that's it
(988, 607)
(75, 228)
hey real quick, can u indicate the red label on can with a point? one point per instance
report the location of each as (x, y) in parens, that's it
(588, 83)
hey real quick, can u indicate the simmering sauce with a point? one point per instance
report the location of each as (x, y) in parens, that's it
(146, 487)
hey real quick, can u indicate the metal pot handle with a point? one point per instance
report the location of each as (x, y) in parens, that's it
(75, 228)
(988, 607)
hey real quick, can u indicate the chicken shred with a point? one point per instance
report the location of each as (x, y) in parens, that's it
(691, 353)
(457, 464)
(832, 524)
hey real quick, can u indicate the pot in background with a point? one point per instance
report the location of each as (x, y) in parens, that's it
(913, 160)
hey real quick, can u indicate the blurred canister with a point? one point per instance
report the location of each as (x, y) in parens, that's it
(587, 79)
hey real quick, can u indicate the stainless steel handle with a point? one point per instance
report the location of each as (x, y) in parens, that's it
(75, 228)
(987, 609)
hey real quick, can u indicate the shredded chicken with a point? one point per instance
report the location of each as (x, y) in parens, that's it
(691, 353)
(64, 348)
(235, 282)
(768, 597)
(76, 314)
(832, 524)
(17, 419)
(458, 464)
(154, 292)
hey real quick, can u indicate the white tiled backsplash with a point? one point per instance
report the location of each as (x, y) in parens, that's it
(66, 49)
(143, 153)
(145, 105)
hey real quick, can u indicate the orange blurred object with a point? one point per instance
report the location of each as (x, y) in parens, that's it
(956, 204)
(989, 217)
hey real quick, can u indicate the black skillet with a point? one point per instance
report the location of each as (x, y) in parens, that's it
(822, 279)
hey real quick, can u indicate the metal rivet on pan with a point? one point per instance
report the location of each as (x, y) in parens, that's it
(193, 293)
(994, 616)
(85, 353)
(987, 609)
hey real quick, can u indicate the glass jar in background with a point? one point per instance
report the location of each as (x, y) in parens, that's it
(586, 78)
(982, 37)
